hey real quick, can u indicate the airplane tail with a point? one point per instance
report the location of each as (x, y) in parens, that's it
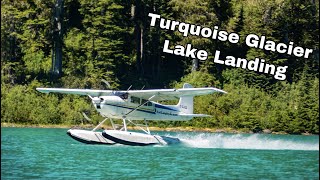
(186, 102)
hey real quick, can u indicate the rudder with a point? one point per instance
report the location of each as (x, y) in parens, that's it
(186, 102)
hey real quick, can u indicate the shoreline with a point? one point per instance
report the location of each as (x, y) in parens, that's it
(152, 128)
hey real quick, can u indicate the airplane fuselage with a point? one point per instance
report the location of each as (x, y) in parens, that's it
(116, 107)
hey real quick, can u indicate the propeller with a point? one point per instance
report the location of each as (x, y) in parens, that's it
(107, 83)
(97, 99)
(85, 116)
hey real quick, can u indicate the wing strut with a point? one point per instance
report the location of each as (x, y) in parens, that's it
(138, 125)
(99, 124)
(112, 123)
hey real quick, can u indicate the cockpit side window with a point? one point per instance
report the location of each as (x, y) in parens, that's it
(143, 101)
(135, 100)
(146, 104)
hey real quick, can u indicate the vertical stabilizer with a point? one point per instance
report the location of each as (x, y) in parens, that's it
(186, 102)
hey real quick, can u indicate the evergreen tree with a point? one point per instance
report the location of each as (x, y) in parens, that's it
(98, 48)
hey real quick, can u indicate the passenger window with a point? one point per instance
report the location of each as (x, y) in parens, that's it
(135, 100)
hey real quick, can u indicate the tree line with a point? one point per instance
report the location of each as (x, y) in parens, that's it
(113, 40)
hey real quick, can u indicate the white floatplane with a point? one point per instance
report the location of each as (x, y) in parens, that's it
(133, 105)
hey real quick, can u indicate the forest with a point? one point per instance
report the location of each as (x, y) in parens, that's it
(76, 43)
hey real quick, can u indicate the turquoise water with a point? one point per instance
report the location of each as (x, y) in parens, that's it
(40, 153)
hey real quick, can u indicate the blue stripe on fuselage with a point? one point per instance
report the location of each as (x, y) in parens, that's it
(152, 112)
(164, 107)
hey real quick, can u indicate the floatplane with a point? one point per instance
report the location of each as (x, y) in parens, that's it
(132, 106)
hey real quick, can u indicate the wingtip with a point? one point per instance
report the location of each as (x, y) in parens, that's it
(41, 90)
(225, 92)
(219, 90)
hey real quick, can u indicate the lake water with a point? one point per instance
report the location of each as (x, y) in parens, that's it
(43, 153)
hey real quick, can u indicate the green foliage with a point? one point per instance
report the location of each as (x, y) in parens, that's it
(22, 104)
(197, 79)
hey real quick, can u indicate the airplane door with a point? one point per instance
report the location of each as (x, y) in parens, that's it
(152, 107)
(123, 105)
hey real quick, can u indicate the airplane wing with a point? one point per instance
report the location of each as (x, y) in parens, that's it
(172, 94)
(160, 94)
(90, 92)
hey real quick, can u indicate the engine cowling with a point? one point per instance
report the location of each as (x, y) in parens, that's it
(96, 100)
